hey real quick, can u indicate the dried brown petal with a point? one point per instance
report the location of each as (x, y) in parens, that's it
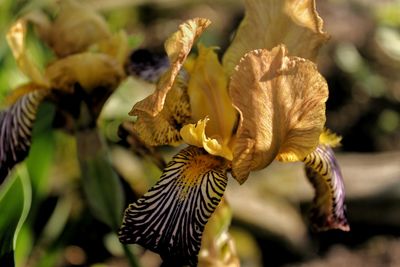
(177, 47)
(163, 129)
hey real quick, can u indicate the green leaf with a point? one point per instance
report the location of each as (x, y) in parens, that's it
(41, 154)
(101, 184)
(15, 200)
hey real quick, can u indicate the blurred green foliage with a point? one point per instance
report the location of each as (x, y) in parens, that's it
(15, 201)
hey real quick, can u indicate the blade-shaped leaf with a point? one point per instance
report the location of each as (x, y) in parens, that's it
(15, 200)
(170, 218)
(41, 153)
(16, 129)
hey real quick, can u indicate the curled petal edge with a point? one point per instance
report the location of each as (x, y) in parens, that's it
(178, 47)
(195, 134)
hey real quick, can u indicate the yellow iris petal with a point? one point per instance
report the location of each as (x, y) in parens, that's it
(76, 27)
(195, 134)
(281, 101)
(209, 96)
(90, 70)
(268, 23)
(116, 46)
(177, 47)
(16, 40)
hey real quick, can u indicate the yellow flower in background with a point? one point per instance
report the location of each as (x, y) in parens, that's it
(76, 30)
(89, 57)
(265, 101)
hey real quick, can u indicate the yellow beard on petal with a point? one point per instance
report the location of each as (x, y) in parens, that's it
(329, 138)
(197, 167)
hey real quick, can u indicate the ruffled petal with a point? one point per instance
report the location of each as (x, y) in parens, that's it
(16, 124)
(268, 23)
(208, 92)
(195, 134)
(16, 40)
(281, 102)
(177, 47)
(170, 218)
(329, 211)
(90, 70)
(163, 129)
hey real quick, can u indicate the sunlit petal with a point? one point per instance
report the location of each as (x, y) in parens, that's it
(209, 96)
(90, 70)
(281, 101)
(268, 23)
(16, 40)
(195, 134)
(170, 218)
(177, 47)
(163, 129)
(324, 173)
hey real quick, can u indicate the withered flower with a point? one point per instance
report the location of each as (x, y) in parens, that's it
(265, 101)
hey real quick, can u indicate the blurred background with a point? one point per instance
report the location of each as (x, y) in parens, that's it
(270, 227)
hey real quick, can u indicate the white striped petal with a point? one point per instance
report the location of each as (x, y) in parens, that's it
(329, 211)
(170, 218)
(16, 124)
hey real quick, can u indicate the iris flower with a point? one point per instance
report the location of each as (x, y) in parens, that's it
(88, 67)
(265, 101)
